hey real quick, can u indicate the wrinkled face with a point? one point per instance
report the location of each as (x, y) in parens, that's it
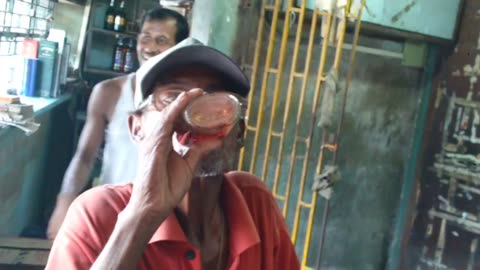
(220, 160)
(156, 37)
(223, 159)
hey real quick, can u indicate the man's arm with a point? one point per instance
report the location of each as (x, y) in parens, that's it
(87, 231)
(78, 172)
(86, 238)
(128, 241)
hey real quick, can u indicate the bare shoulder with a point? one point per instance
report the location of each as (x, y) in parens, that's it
(105, 95)
(112, 83)
(110, 87)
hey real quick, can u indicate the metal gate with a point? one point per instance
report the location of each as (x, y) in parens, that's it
(284, 145)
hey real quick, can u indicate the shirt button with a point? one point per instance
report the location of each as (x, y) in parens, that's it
(190, 254)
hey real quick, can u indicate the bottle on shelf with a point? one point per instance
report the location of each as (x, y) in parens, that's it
(129, 64)
(120, 23)
(119, 55)
(110, 16)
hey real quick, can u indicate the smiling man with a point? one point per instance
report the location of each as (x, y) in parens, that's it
(108, 108)
(186, 209)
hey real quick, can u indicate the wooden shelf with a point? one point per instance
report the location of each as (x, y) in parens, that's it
(105, 72)
(19, 252)
(114, 33)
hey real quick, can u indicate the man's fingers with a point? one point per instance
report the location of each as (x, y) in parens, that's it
(174, 110)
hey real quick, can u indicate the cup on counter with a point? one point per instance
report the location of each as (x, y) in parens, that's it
(29, 77)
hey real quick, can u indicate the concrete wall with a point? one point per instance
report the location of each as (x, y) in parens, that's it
(375, 145)
(69, 17)
(225, 24)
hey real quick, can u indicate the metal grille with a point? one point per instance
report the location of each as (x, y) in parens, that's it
(21, 19)
(284, 146)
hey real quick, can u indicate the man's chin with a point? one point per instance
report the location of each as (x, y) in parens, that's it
(208, 174)
(143, 59)
(211, 169)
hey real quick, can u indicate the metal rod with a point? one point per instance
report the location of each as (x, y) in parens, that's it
(298, 75)
(268, 62)
(300, 113)
(349, 76)
(341, 40)
(463, 186)
(256, 62)
(306, 205)
(473, 251)
(276, 95)
(288, 104)
(340, 128)
(326, 211)
(301, 139)
(273, 70)
(270, 7)
(468, 225)
(338, 55)
(336, 65)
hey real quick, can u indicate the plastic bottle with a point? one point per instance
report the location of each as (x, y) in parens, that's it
(119, 55)
(129, 64)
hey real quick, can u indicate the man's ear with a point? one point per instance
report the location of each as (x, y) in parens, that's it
(242, 126)
(241, 133)
(135, 126)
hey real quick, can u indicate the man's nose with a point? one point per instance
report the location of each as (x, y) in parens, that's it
(152, 49)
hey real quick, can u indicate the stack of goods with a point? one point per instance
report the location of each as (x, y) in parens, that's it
(124, 57)
(451, 226)
(14, 113)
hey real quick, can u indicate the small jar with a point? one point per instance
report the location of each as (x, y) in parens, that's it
(213, 114)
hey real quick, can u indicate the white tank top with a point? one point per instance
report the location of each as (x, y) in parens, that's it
(120, 155)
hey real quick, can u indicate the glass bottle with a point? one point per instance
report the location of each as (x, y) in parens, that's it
(129, 57)
(120, 19)
(110, 16)
(119, 55)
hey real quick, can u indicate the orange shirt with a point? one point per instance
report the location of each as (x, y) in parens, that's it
(258, 235)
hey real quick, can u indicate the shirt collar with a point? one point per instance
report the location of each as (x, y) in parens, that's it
(243, 233)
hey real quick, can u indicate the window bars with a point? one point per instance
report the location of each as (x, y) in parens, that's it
(284, 146)
(20, 19)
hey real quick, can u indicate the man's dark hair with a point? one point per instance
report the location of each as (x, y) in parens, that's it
(161, 14)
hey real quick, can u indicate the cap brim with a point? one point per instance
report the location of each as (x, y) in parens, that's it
(190, 55)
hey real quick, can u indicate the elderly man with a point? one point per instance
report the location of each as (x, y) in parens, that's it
(186, 208)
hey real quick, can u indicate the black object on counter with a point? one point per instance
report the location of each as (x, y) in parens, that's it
(47, 68)
(110, 16)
